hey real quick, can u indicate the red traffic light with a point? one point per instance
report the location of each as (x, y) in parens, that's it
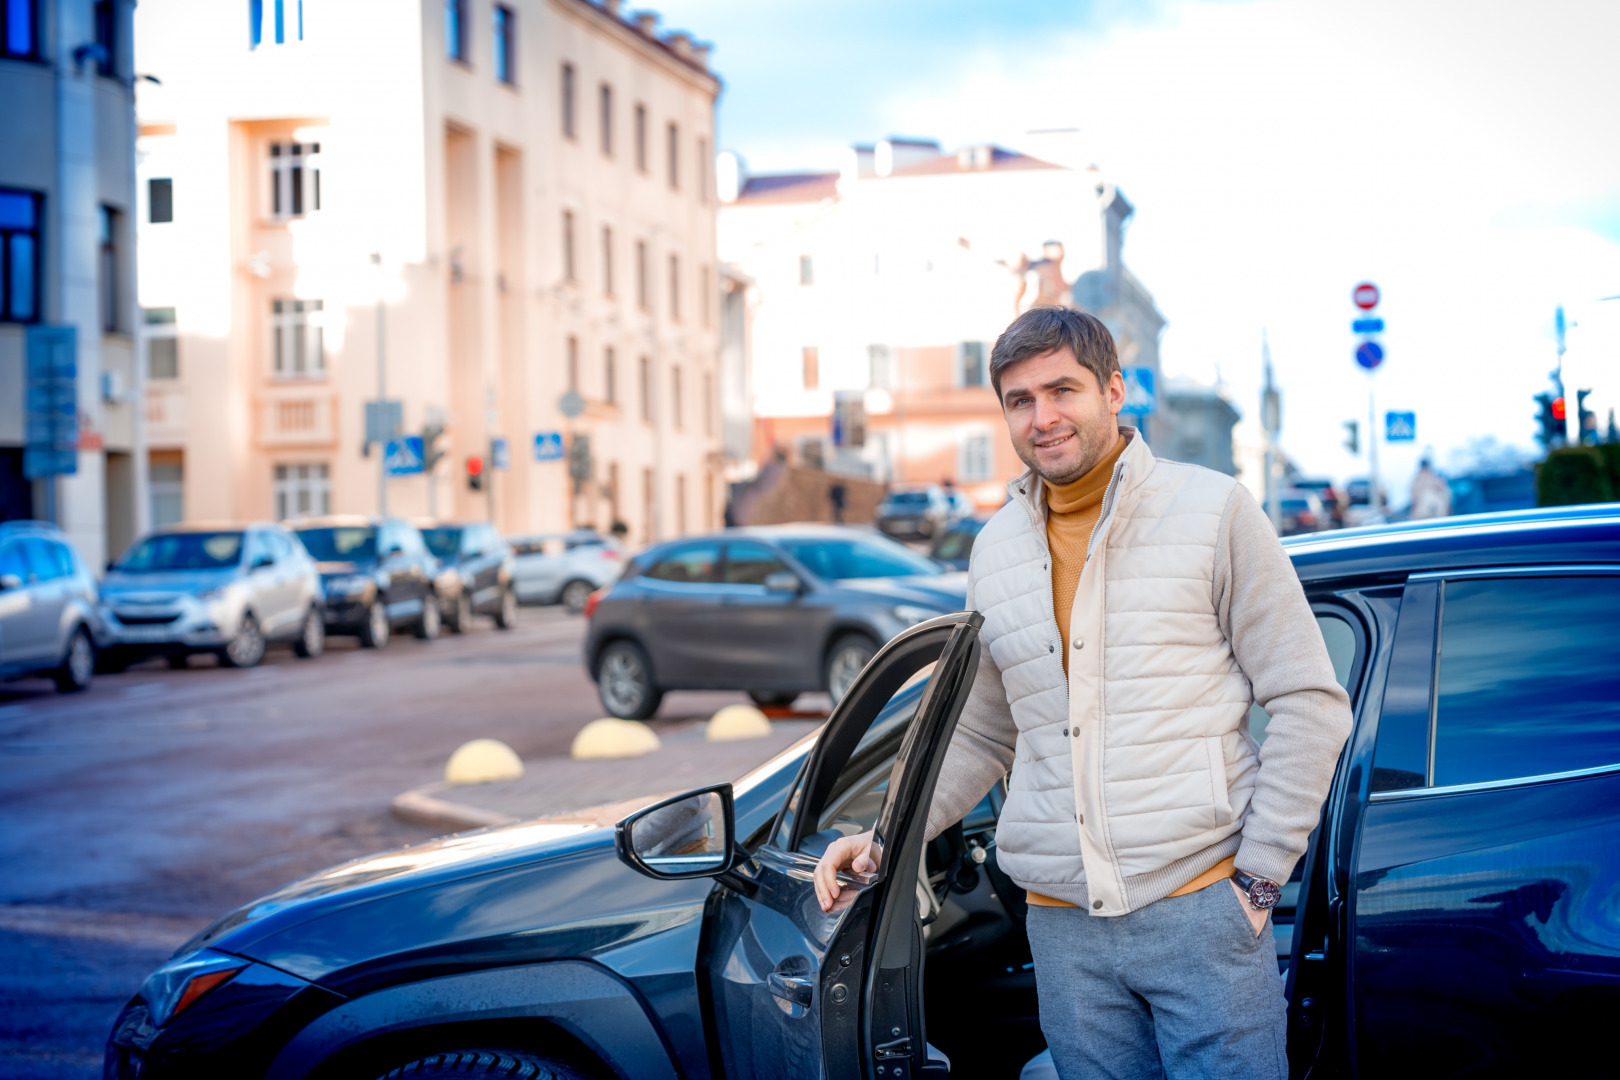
(1558, 408)
(475, 464)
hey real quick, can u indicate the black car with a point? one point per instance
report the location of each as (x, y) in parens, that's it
(777, 611)
(954, 547)
(1453, 915)
(378, 575)
(475, 575)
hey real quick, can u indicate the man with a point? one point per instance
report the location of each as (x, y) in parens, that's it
(1431, 495)
(1133, 609)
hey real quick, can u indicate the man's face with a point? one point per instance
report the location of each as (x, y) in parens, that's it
(1061, 421)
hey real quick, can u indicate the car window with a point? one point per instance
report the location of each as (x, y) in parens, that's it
(12, 563)
(184, 551)
(750, 563)
(958, 543)
(42, 563)
(1527, 680)
(61, 558)
(844, 559)
(692, 564)
(447, 542)
(1340, 638)
(348, 544)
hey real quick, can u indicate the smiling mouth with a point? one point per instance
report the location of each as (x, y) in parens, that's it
(1051, 443)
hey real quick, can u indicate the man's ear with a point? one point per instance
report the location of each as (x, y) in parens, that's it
(1115, 392)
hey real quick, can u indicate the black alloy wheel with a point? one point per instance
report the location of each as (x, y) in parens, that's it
(78, 664)
(506, 617)
(460, 619)
(376, 630)
(465, 1064)
(575, 593)
(247, 648)
(624, 682)
(773, 699)
(845, 660)
(311, 636)
(427, 624)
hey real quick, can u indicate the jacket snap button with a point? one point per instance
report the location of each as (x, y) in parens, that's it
(1096, 905)
(1079, 644)
(1051, 648)
(1075, 732)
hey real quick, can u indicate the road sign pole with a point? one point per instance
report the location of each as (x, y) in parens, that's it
(382, 387)
(1373, 498)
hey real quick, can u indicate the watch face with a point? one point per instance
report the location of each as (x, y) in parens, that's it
(1264, 894)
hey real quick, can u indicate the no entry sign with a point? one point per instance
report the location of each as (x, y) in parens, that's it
(1365, 296)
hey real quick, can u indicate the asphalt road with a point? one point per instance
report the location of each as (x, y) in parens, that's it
(135, 813)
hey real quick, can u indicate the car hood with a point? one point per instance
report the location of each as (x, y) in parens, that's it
(947, 592)
(117, 585)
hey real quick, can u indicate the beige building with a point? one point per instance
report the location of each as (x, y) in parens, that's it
(472, 213)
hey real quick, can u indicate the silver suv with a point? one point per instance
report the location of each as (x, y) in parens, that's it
(220, 589)
(49, 624)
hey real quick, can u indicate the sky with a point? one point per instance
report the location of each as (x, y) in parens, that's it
(1460, 155)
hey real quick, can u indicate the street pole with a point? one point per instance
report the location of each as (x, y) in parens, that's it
(1374, 501)
(1271, 423)
(382, 390)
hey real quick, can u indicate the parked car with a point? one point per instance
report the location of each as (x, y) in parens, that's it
(49, 619)
(1334, 499)
(776, 611)
(476, 575)
(918, 513)
(1452, 915)
(953, 547)
(230, 590)
(564, 568)
(378, 575)
(1300, 512)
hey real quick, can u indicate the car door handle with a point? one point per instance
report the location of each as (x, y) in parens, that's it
(794, 989)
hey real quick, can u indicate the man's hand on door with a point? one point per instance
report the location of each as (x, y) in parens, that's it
(849, 852)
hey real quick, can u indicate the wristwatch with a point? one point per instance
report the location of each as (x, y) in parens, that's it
(1263, 895)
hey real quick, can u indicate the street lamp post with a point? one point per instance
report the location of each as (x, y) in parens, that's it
(382, 389)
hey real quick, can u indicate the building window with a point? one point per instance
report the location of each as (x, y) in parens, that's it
(675, 287)
(302, 491)
(812, 367)
(807, 270)
(455, 30)
(674, 163)
(880, 365)
(106, 16)
(605, 107)
(703, 171)
(162, 344)
(277, 21)
(505, 44)
(295, 179)
(19, 256)
(568, 245)
(610, 388)
(19, 37)
(607, 260)
(298, 348)
(677, 414)
(572, 352)
(644, 378)
(568, 101)
(107, 275)
(160, 201)
(641, 274)
(708, 403)
(641, 137)
(971, 364)
(166, 487)
(973, 459)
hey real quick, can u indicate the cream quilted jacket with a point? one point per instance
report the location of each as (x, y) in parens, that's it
(1137, 773)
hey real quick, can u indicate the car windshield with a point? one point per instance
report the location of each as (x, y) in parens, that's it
(445, 543)
(183, 551)
(355, 543)
(842, 560)
(908, 499)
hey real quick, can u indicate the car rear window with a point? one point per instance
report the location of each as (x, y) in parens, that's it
(183, 551)
(445, 543)
(353, 543)
(844, 560)
(908, 499)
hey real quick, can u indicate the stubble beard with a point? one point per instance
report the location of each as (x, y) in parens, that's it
(1094, 441)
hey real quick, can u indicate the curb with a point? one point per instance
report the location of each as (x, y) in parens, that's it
(422, 806)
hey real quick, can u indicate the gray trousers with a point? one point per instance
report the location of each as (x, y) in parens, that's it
(1180, 989)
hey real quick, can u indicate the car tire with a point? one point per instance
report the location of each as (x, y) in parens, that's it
(78, 664)
(246, 649)
(574, 594)
(376, 630)
(462, 1064)
(311, 636)
(773, 699)
(112, 660)
(848, 655)
(428, 623)
(624, 682)
(506, 615)
(460, 620)
(178, 661)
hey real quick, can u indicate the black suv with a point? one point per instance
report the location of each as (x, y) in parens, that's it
(475, 575)
(378, 575)
(1453, 915)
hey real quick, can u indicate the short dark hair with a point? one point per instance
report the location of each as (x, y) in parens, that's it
(1041, 330)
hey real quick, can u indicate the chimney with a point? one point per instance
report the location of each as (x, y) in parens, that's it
(700, 53)
(612, 7)
(680, 43)
(730, 175)
(857, 165)
(892, 154)
(646, 22)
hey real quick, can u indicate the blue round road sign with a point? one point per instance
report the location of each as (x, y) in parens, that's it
(1369, 354)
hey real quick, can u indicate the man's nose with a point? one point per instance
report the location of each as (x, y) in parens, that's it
(1046, 415)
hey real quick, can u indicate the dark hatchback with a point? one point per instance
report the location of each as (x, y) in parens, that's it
(1454, 914)
(378, 575)
(776, 611)
(475, 575)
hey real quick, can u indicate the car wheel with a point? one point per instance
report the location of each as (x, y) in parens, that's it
(247, 647)
(506, 617)
(460, 618)
(773, 699)
(508, 1064)
(575, 593)
(178, 661)
(427, 627)
(845, 660)
(375, 632)
(78, 664)
(624, 682)
(312, 638)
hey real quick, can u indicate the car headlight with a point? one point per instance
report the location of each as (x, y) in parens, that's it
(911, 615)
(179, 984)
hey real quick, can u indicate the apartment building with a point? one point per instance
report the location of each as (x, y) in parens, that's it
(67, 272)
(498, 215)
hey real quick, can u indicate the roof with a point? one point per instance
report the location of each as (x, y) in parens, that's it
(1000, 161)
(789, 187)
(1546, 536)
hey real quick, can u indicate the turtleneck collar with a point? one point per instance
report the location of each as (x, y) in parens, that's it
(1086, 493)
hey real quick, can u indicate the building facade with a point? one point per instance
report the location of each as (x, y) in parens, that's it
(880, 290)
(498, 215)
(67, 193)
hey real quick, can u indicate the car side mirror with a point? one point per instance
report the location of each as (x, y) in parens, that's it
(263, 561)
(390, 552)
(783, 581)
(688, 836)
(13, 581)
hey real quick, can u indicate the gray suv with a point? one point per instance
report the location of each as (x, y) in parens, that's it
(226, 590)
(49, 624)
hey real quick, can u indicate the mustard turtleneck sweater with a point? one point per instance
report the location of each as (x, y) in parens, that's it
(1072, 511)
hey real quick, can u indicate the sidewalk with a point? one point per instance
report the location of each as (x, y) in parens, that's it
(600, 792)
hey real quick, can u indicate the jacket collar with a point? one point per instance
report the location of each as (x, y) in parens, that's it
(1134, 465)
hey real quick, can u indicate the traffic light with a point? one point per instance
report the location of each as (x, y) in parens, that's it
(431, 454)
(1352, 436)
(1586, 431)
(1550, 416)
(475, 473)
